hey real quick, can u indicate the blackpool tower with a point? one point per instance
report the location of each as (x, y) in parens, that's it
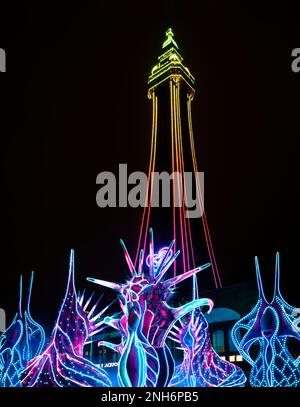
(171, 90)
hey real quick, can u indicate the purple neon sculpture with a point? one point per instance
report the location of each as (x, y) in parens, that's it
(144, 298)
(62, 363)
(201, 366)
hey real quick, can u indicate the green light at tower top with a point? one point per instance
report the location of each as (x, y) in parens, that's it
(169, 40)
(170, 64)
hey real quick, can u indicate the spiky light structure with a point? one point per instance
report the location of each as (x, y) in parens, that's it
(268, 326)
(22, 340)
(144, 297)
(62, 363)
(201, 366)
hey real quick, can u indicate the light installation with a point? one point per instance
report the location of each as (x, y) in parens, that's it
(62, 363)
(148, 322)
(145, 323)
(146, 318)
(267, 328)
(22, 340)
(171, 90)
(201, 366)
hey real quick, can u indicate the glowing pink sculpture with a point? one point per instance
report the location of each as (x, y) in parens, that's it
(146, 318)
(62, 363)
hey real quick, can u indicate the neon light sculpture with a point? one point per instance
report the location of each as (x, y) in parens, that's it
(62, 363)
(146, 318)
(139, 361)
(269, 325)
(201, 366)
(23, 340)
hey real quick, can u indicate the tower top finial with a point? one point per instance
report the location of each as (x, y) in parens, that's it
(169, 40)
(170, 64)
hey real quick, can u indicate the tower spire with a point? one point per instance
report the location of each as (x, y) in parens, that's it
(169, 40)
(170, 63)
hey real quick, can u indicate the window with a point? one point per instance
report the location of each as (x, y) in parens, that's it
(218, 341)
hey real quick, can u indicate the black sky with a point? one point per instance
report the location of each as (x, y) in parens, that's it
(76, 104)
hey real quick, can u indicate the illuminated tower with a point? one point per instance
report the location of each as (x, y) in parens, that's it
(171, 90)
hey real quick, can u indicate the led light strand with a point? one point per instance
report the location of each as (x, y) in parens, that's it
(209, 245)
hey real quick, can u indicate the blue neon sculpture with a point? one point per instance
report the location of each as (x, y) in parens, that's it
(268, 326)
(139, 361)
(201, 366)
(146, 318)
(146, 324)
(62, 363)
(22, 340)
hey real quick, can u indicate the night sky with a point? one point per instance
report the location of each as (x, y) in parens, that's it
(76, 104)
